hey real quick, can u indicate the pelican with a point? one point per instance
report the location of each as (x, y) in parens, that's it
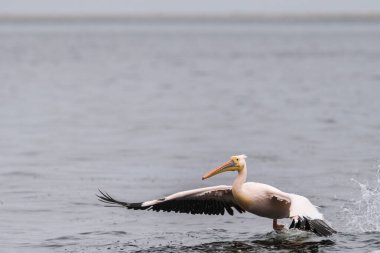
(256, 198)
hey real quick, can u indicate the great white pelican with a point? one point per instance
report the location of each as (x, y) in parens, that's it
(257, 198)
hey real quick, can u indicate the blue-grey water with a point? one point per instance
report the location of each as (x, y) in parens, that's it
(144, 109)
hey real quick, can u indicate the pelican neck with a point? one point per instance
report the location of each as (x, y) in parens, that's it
(241, 178)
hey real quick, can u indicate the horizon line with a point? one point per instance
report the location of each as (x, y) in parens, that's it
(343, 16)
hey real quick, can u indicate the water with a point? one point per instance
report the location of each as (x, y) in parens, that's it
(363, 213)
(143, 109)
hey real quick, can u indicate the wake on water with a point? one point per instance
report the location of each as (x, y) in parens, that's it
(363, 214)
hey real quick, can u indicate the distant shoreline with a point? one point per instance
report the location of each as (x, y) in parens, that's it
(191, 18)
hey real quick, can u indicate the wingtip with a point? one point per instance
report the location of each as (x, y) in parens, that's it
(317, 226)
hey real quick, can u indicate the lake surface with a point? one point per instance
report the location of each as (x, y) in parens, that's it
(144, 109)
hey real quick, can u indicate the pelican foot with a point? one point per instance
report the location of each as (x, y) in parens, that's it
(277, 227)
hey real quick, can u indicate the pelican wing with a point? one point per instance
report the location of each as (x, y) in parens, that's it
(280, 205)
(304, 215)
(210, 200)
(281, 198)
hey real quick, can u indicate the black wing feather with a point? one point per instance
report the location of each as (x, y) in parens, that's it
(214, 202)
(317, 226)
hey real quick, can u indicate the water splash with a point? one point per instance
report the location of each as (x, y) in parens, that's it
(363, 214)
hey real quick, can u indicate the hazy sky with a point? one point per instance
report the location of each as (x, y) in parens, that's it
(187, 7)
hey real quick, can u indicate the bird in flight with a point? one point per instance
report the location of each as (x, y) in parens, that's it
(256, 198)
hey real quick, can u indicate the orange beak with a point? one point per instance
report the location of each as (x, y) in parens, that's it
(224, 167)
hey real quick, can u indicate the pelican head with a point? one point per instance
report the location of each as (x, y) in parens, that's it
(236, 163)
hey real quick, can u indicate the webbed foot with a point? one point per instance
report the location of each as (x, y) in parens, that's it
(277, 227)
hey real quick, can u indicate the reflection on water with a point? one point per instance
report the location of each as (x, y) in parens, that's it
(272, 242)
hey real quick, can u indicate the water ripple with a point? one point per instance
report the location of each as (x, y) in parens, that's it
(267, 243)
